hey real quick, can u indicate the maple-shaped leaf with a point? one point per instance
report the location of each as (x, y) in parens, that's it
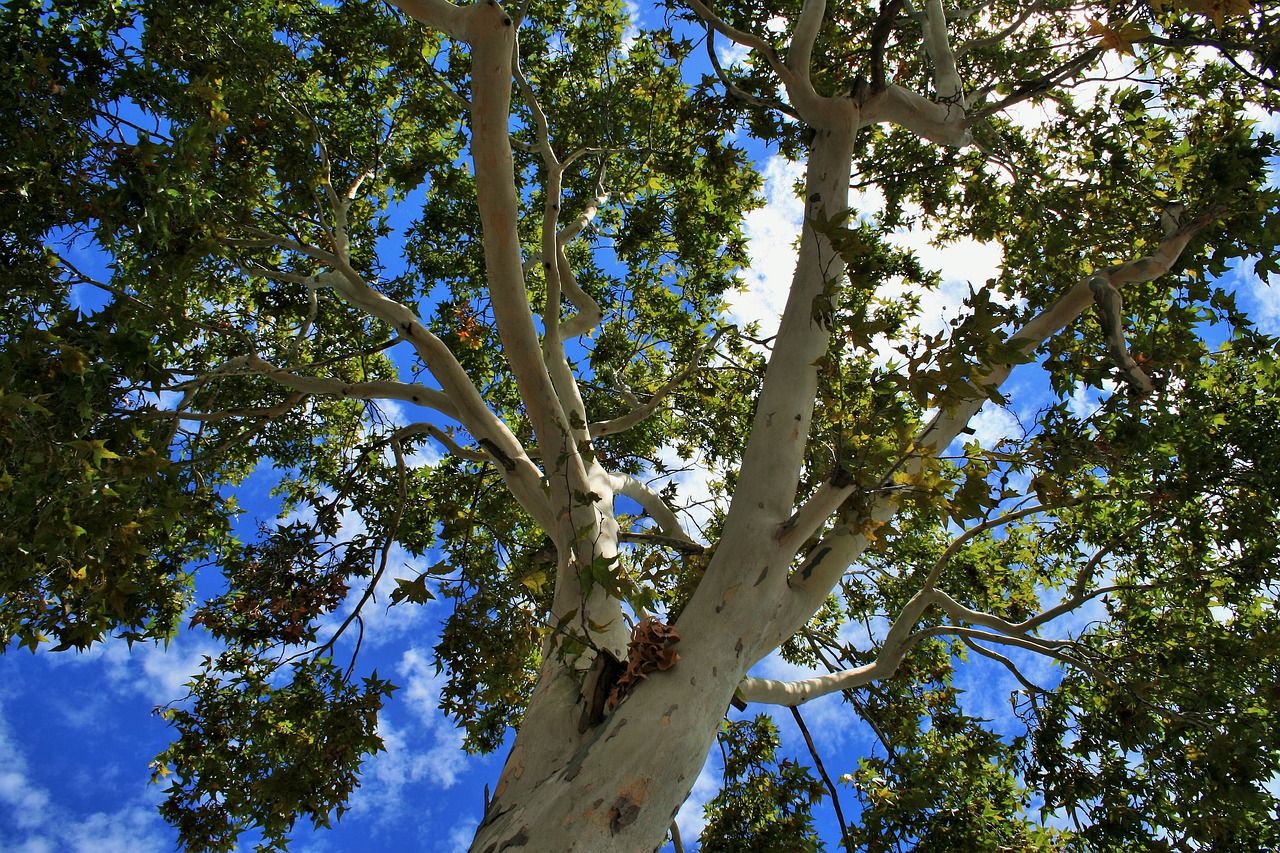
(1120, 40)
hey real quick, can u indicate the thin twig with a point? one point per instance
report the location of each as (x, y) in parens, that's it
(817, 761)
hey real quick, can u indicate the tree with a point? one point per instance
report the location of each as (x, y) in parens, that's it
(498, 384)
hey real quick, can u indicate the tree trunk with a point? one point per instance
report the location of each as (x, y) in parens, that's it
(618, 790)
(617, 785)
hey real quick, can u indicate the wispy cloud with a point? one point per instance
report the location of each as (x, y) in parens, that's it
(157, 672)
(772, 230)
(992, 424)
(460, 836)
(1260, 295)
(35, 823)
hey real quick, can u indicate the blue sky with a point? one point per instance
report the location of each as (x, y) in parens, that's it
(77, 730)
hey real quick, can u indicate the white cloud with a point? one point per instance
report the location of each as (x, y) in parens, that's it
(777, 24)
(427, 750)
(632, 31)
(157, 672)
(129, 830)
(774, 228)
(731, 53)
(773, 666)
(864, 636)
(27, 804)
(1268, 122)
(444, 761)
(1262, 296)
(993, 423)
(964, 264)
(37, 824)
(460, 836)
(383, 624)
(772, 231)
(1085, 401)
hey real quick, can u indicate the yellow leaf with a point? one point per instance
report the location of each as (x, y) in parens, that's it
(1120, 40)
(1097, 28)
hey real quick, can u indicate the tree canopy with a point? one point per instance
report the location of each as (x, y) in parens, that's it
(463, 277)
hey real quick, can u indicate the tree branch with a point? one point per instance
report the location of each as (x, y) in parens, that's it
(441, 15)
(897, 643)
(937, 44)
(918, 114)
(1005, 662)
(813, 513)
(1034, 87)
(746, 39)
(999, 521)
(998, 38)
(684, 546)
(880, 32)
(800, 51)
(732, 89)
(643, 411)
(208, 417)
(382, 389)
(1110, 306)
(831, 788)
(444, 439)
(946, 425)
(630, 487)
(1029, 643)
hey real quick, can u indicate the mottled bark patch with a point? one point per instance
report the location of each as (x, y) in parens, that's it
(623, 814)
(626, 808)
(520, 839)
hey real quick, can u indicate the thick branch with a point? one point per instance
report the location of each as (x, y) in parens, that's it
(1111, 317)
(209, 417)
(492, 37)
(630, 487)
(897, 643)
(880, 32)
(684, 546)
(1057, 316)
(809, 518)
(437, 14)
(555, 266)
(800, 51)
(829, 559)
(382, 389)
(938, 122)
(937, 44)
(779, 434)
